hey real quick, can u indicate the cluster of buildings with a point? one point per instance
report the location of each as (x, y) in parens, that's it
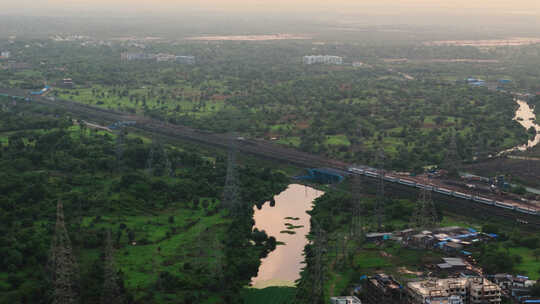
(451, 240)
(461, 287)
(323, 59)
(464, 290)
(516, 287)
(5, 55)
(161, 57)
(384, 289)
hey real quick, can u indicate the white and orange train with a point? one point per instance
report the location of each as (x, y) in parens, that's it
(374, 173)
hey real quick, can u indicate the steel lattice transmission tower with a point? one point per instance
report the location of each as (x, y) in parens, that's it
(62, 265)
(119, 147)
(158, 158)
(231, 196)
(111, 292)
(219, 261)
(318, 267)
(379, 204)
(452, 160)
(357, 210)
(425, 215)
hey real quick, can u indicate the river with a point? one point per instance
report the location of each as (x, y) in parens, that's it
(282, 266)
(525, 116)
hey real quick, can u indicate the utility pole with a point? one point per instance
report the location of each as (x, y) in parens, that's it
(111, 292)
(62, 265)
(379, 204)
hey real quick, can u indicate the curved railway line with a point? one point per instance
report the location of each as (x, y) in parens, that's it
(256, 147)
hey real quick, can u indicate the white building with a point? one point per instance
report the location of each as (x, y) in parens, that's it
(345, 300)
(324, 59)
(133, 56)
(5, 54)
(471, 290)
(186, 59)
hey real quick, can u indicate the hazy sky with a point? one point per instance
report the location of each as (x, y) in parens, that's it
(60, 7)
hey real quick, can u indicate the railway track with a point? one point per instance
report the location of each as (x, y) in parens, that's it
(256, 147)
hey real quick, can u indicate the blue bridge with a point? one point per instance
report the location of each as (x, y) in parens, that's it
(323, 176)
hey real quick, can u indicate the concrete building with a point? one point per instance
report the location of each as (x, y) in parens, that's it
(67, 83)
(133, 56)
(378, 236)
(452, 265)
(345, 300)
(5, 55)
(165, 57)
(383, 289)
(468, 290)
(446, 300)
(161, 57)
(185, 59)
(324, 59)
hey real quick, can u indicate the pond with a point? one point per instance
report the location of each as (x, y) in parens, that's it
(526, 117)
(289, 223)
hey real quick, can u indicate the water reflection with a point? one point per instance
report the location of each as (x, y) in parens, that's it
(282, 266)
(526, 117)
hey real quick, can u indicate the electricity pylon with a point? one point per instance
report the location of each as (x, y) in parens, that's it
(111, 292)
(231, 197)
(425, 215)
(379, 204)
(62, 265)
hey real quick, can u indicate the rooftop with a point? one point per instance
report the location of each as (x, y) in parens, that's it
(438, 287)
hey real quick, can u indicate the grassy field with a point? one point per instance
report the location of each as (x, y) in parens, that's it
(270, 295)
(136, 100)
(338, 140)
(530, 266)
(171, 240)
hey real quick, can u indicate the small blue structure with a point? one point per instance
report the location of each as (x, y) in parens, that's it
(504, 81)
(322, 176)
(478, 83)
(45, 89)
(121, 124)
